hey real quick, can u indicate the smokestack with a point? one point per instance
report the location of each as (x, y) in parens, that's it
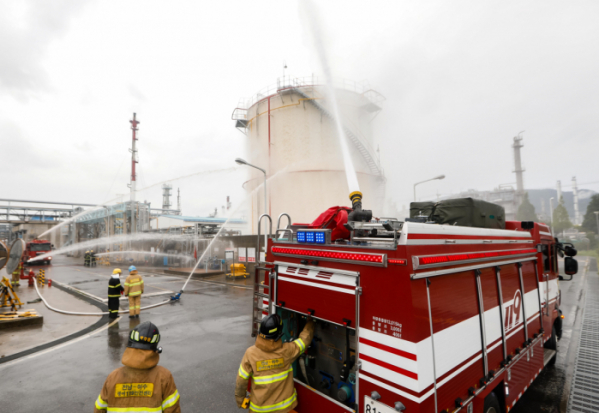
(518, 163)
(166, 196)
(559, 191)
(575, 192)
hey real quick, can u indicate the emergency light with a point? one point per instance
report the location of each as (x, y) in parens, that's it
(314, 236)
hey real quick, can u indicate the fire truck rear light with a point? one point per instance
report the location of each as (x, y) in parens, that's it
(332, 255)
(397, 261)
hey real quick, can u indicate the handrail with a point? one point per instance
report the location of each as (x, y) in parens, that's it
(279, 220)
(260, 235)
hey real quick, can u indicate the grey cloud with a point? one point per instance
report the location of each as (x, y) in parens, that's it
(23, 45)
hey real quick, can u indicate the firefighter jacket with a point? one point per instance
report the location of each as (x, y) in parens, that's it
(268, 364)
(140, 386)
(134, 284)
(114, 286)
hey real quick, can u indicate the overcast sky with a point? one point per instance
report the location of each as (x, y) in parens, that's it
(461, 79)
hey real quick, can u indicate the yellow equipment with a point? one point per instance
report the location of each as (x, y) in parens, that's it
(41, 277)
(238, 270)
(8, 295)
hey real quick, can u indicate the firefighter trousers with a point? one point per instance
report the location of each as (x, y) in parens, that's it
(113, 307)
(134, 304)
(15, 279)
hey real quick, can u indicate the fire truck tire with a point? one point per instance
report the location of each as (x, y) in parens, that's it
(492, 404)
(551, 344)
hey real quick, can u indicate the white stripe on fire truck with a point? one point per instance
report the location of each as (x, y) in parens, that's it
(396, 360)
(398, 391)
(453, 346)
(466, 242)
(442, 230)
(311, 284)
(335, 278)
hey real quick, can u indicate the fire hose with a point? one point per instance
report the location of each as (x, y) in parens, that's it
(87, 314)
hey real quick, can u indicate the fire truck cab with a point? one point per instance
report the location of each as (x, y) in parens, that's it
(35, 248)
(415, 316)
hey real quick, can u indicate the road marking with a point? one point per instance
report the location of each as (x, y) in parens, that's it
(75, 340)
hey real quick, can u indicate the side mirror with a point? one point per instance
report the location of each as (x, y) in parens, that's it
(570, 266)
(570, 251)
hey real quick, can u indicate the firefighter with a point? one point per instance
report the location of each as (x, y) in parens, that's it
(92, 258)
(268, 362)
(141, 385)
(115, 289)
(16, 275)
(86, 258)
(134, 288)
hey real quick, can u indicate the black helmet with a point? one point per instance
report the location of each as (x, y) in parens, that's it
(145, 337)
(271, 327)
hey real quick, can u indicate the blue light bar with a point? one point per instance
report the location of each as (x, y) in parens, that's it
(320, 238)
(301, 236)
(310, 236)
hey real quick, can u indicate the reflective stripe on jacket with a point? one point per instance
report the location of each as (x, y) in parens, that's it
(268, 365)
(134, 284)
(144, 388)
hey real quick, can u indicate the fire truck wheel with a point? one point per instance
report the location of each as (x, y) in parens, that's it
(491, 404)
(551, 344)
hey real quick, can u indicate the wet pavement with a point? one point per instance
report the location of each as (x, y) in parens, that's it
(551, 389)
(203, 336)
(54, 325)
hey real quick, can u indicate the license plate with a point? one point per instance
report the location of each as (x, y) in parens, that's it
(372, 406)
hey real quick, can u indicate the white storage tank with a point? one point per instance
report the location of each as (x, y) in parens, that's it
(292, 135)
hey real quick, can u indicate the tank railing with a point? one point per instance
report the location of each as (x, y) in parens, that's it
(260, 237)
(290, 82)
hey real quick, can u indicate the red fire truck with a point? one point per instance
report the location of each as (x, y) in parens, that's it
(35, 248)
(414, 316)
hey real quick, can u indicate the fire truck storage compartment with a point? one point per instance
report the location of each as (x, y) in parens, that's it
(472, 338)
(326, 294)
(328, 366)
(464, 212)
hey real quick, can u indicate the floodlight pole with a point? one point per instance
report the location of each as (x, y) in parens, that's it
(244, 162)
(421, 182)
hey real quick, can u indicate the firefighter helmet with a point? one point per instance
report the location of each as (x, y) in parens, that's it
(271, 327)
(145, 337)
(116, 271)
(132, 268)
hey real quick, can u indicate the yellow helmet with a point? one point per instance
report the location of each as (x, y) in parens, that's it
(87, 251)
(116, 271)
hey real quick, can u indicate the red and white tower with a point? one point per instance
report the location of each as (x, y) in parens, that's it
(134, 160)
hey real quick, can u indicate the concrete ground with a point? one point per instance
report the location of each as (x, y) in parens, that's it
(54, 325)
(551, 389)
(203, 336)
